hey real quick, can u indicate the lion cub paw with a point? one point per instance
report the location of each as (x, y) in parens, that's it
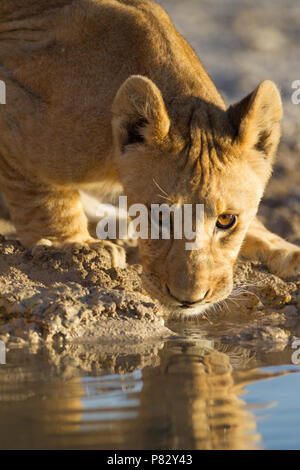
(117, 253)
(285, 263)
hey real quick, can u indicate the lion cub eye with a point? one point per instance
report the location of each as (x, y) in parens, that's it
(225, 221)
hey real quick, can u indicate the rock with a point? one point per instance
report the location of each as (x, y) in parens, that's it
(291, 310)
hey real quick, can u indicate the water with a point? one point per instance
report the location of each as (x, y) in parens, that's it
(185, 393)
(194, 392)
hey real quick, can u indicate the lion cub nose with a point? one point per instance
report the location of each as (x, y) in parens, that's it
(188, 303)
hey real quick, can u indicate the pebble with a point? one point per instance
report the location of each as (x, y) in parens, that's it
(291, 310)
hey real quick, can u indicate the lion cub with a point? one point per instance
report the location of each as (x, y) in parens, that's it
(109, 92)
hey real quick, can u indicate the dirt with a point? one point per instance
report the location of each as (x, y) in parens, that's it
(64, 298)
(54, 296)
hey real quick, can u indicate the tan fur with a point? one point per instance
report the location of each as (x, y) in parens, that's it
(77, 70)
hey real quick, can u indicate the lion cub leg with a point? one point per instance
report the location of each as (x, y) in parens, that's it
(281, 257)
(50, 215)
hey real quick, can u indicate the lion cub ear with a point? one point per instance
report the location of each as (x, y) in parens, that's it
(139, 113)
(256, 119)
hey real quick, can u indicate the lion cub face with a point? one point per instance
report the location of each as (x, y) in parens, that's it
(195, 154)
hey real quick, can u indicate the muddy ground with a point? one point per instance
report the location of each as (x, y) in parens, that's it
(57, 297)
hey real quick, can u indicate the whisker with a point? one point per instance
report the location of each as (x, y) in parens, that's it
(236, 292)
(164, 197)
(160, 188)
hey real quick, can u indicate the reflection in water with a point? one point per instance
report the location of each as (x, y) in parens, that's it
(183, 395)
(199, 407)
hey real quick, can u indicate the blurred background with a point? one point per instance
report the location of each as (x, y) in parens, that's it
(226, 384)
(241, 43)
